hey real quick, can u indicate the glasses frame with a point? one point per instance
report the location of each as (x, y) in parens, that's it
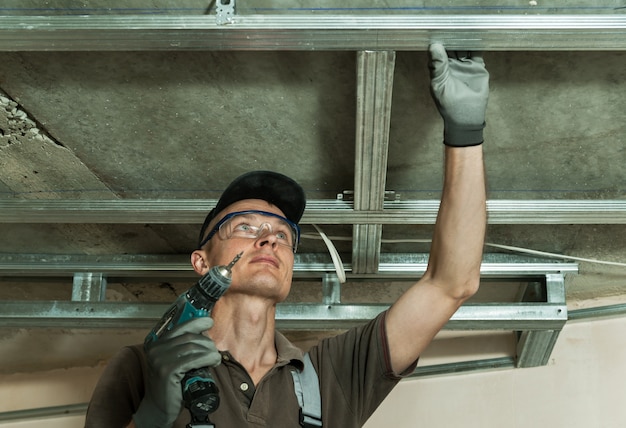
(228, 216)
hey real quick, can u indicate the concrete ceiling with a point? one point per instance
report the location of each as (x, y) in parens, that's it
(174, 126)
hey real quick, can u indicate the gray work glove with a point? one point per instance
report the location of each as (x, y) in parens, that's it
(176, 352)
(460, 87)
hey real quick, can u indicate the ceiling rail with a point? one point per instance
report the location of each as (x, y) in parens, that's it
(310, 31)
(299, 316)
(375, 72)
(538, 322)
(396, 266)
(193, 211)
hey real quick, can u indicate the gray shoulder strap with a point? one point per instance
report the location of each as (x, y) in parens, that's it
(307, 388)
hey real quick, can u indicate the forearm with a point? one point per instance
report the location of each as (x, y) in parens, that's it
(453, 272)
(459, 234)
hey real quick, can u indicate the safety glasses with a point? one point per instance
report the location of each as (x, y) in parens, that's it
(253, 224)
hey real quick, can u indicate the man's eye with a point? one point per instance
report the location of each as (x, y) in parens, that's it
(243, 227)
(285, 235)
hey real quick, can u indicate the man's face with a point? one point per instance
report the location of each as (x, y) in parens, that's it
(266, 267)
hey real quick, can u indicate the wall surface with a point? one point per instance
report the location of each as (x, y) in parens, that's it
(581, 387)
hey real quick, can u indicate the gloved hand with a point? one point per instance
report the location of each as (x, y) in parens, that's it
(460, 87)
(176, 352)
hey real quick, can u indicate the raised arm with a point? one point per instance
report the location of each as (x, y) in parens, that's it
(460, 86)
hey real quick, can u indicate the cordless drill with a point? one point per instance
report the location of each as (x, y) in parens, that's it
(200, 393)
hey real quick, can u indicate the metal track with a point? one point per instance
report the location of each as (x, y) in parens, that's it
(309, 31)
(373, 111)
(396, 266)
(300, 316)
(193, 211)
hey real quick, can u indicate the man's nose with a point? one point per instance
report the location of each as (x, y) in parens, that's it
(265, 234)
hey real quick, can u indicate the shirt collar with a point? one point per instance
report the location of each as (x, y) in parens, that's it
(287, 351)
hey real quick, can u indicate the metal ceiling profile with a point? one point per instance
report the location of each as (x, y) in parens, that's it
(373, 109)
(193, 211)
(313, 32)
(538, 323)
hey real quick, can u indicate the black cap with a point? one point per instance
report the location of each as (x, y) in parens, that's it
(273, 187)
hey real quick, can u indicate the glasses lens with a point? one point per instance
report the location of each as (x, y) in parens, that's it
(253, 224)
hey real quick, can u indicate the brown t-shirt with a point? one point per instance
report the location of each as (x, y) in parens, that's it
(353, 370)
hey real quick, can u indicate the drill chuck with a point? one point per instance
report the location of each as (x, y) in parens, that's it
(215, 283)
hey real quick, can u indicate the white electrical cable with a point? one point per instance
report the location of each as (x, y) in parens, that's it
(501, 246)
(560, 256)
(334, 238)
(334, 254)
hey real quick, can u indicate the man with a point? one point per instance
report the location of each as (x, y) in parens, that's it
(250, 361)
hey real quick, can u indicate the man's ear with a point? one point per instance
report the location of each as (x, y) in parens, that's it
(198, 261)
